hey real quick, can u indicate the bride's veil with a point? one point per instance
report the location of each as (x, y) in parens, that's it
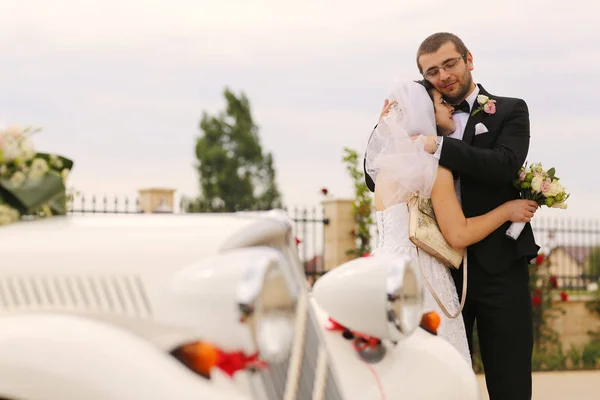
(399, 165)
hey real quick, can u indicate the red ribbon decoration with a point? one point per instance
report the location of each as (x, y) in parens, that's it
(335, 326)
(230, 363)
(360, 341)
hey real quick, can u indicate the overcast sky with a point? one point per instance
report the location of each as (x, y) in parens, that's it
(120, 85)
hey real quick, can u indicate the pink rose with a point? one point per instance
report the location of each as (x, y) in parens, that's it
(490, 107)
(522, 175)
(545, 186)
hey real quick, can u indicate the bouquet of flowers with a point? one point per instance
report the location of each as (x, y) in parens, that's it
(541, 186)
(31, 183)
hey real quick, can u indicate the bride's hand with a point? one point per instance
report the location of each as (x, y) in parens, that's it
(520, 210)
(386, 108)
(429, 143)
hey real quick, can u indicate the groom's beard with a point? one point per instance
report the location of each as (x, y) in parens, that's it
(464, 90)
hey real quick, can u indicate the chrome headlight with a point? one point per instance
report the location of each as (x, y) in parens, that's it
(267, 304)
(207, 297)
(405, 297)
(380, 296)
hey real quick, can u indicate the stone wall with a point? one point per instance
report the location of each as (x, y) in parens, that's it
(574, 324)
(338, 237)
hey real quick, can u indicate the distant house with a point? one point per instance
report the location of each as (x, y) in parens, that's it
(569, 264)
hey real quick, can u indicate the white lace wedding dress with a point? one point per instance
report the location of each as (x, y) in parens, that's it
(392, 224)
(396, 160)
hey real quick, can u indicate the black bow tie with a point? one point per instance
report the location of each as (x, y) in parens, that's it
(463, 106)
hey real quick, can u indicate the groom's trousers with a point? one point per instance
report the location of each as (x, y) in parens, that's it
(501, 305)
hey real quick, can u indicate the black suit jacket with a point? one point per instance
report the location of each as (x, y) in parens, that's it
(487, 164)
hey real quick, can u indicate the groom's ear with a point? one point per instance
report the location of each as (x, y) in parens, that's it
(470, 61)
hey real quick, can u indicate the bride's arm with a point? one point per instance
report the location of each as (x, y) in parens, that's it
(461, 232)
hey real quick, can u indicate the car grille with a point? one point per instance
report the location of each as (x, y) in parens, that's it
(274, 378)
(117, 295)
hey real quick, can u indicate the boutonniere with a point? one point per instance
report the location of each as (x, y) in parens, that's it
(486, 105)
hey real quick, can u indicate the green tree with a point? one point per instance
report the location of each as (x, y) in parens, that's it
(594, 262)
(362, 207)
(235, 174)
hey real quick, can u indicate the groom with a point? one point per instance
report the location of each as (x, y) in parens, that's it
(485, 154)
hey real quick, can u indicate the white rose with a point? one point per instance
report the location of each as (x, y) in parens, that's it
(18, 178)
(65, 174)
(27, 149)
(536, 183)
(5, 219)
(10, 149)
(560, 205)
(55, 161)
(8, 214)
(482, 99)
(555, 188)
(40, 165)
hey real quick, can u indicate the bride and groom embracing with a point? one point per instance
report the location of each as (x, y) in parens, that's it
(447, 139)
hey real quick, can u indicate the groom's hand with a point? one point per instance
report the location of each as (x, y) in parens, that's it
(386, 108)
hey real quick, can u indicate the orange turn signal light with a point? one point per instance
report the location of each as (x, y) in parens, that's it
(200, 357)
(430, 322)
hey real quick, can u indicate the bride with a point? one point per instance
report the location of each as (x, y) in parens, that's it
(396, 161)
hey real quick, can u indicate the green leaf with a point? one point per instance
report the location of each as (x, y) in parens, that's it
(67, 163)
(551, 172)
(32, 193)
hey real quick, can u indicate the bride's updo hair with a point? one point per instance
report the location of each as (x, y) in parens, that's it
(428, 86)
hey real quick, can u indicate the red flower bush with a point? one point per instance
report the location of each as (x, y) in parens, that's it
(553, 282)
(324, 191)
(564, 296)
(540, 259)
(536, 300)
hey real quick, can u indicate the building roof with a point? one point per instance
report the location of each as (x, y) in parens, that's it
(577, 253)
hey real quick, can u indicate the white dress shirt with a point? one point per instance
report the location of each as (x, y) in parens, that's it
(460, 120)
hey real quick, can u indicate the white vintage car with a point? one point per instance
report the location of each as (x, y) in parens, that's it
(207, 307)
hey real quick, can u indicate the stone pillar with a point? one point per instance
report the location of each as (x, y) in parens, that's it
(157, 200)
(338, 237)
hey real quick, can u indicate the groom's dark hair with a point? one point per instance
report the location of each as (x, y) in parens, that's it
(432, 43)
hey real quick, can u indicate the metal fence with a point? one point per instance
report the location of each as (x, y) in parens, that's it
(309, 225)
(104, 204)
(572, 246)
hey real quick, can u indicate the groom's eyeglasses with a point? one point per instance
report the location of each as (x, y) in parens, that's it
(448, 66)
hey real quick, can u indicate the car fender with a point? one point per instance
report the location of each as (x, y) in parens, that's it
(421, 366)
(46, 356)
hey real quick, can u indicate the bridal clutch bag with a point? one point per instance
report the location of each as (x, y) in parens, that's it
(424, 232)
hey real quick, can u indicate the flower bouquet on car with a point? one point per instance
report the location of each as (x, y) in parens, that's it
(543, 187)
(31, 183)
